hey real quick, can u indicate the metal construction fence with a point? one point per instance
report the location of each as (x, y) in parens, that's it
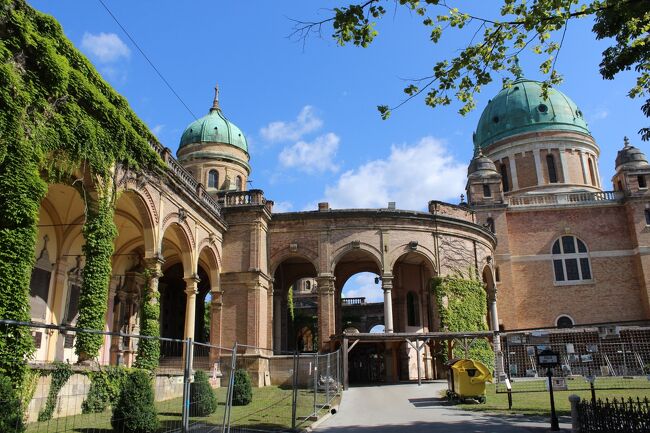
(63, 396)
(592, 357)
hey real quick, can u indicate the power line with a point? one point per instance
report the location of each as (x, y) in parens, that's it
(147, 58)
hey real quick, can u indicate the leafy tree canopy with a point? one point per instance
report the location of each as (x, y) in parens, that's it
(495, 43)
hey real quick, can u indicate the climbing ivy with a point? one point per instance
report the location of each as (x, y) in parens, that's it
(60, 375)
(60, 122)
(105, 386)
(462, 307)
(99, 232)
(149, 348)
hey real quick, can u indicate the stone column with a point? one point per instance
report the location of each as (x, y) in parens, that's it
(538, 167)
(154, 266)
(277, 323)
(216, 305)
(513, 172)
(326, 311)
(492, 301)
(565, 168)
(585, 177)
(190, 307)
(387, 285)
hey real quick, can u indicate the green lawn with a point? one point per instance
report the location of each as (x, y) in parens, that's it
(271, 408)
(538, 403)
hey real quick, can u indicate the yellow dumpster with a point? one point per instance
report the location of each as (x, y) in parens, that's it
(466, 379)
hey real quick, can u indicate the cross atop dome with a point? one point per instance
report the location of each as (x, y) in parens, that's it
(215, 103)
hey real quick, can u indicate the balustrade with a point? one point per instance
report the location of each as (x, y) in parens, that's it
(565, 198)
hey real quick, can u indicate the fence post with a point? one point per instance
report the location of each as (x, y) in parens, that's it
(294, 397)
(231, 382)
(575, 423)
(187, 371)
(328, 380)
(315, 371)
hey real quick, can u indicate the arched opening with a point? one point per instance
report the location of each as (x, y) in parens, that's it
(490, 290)
(503, 169)
(238, 183)
(564, 321)
(413, 311)
(362, 301)
(213, 179)
(295, 306)
(377, 329)
(178, 265)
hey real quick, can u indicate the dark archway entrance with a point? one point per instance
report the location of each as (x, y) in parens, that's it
(295, 306)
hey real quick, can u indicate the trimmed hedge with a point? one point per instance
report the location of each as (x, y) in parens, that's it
(134, 411)
(203, 400)
(242, 391)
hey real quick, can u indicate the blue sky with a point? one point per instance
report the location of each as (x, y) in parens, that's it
(308, 110)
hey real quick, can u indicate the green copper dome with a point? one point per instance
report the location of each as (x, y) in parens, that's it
(214, 128)
(520, 108)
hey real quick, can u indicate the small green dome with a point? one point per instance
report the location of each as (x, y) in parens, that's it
(520, 108)
(214, 128)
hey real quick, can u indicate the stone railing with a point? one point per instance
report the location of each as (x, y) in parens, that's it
(186, 179)
(564, 199)
(353, 301)
(253, 197)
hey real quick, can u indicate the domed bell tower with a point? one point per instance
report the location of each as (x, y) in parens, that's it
(215, 151)
(632, 170)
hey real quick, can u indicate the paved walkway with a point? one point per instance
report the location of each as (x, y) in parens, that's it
(412, 409)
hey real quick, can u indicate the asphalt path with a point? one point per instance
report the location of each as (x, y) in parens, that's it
(416, 409)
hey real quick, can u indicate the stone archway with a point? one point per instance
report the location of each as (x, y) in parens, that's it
(287, 274)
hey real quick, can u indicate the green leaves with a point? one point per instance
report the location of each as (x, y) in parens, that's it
(492, 43)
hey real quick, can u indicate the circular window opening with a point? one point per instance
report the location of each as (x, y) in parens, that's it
(564, 322)
(542, 108)
(495, 119)
(516, 88)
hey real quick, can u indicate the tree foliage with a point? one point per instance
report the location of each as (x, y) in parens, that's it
(495, 43)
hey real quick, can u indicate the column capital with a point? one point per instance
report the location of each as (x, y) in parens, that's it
(154, 264)
(191, 283)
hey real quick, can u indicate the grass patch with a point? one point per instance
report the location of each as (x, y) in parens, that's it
(538, 403)
(271, 408)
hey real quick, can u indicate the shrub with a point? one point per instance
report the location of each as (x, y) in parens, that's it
(105, 386)
(134, 411)
(242, 392)
(11, 412)
(203, 401)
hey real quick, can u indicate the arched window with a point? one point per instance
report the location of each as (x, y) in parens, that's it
(647, 217)
(497, 274)
(591, 171)
(504, 177)
(412, 309)
(238, 183)
(489, 223)
(564, 322)
(307, 286)
(550, 164)
(213, 179)
(570, 260)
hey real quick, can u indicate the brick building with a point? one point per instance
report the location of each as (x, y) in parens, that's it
(538, 228)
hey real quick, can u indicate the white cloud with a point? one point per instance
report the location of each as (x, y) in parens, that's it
(363, 285)
(106, 47)
(410, 176)
(305, 123)
(157, 129)
(310, 157)
(282, 206)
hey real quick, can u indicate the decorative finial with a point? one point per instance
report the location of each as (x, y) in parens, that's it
(626, 141)
(215, 103)
(517, 69)
(462, 198)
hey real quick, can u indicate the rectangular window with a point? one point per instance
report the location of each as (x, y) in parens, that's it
(567, 245)
(572, 269)
(552, 174)
(647, 217)
(642, 183)
(39, 286)
(584, 267)
(559, 271)
(486, 191)
(504, 178)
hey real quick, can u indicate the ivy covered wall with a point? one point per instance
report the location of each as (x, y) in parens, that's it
(60, 122)
(462, 307)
